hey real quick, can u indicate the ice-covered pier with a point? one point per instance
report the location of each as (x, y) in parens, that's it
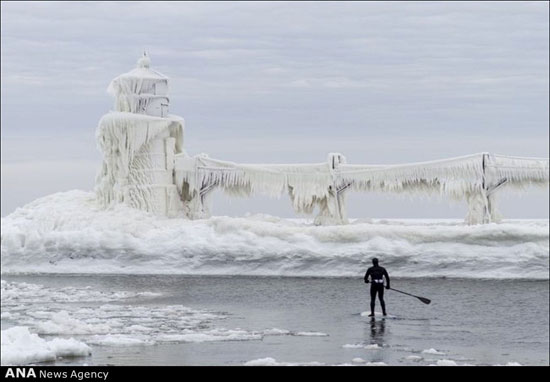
(146, 167)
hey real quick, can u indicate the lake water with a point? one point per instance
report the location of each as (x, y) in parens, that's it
(192, 320)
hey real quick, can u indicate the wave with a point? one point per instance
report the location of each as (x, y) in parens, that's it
(68, 233)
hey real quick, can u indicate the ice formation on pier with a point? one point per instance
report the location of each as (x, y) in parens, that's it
(145, 167)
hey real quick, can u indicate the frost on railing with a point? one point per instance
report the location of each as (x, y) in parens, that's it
(473, 178)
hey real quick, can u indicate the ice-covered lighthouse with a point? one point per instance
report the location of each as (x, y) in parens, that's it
(139, 141)
(145, 167)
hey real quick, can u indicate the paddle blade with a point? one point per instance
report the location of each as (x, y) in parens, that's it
(424, 300)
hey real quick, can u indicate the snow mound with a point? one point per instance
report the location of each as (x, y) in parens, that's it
(21, 347)
(68, 233)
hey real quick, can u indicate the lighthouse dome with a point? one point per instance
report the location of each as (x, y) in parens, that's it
(144, 61)
(141, 90)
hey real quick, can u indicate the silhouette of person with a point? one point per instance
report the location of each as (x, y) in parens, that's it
(377, 274)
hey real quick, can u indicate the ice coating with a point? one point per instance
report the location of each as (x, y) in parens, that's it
(308, 185)
(473, 178)
(146, 167)
(141, 90)
(69, 233)
(139, 141)
(137, 166)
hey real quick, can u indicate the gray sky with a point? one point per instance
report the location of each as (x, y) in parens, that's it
(280, 82)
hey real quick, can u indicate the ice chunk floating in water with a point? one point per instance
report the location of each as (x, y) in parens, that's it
(432, 351)
(20, 346)
(361, 346)
(105, 319)
(268, 361)
(68, 233)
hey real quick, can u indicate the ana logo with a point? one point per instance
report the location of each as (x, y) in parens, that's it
(20, 372)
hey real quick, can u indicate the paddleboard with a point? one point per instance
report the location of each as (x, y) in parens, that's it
(377, 315)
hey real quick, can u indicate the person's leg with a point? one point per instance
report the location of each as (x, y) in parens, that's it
(381, 298)
(372, 298)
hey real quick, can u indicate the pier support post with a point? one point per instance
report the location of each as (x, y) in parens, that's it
(194, 192)
(482, 205)
(333, 212)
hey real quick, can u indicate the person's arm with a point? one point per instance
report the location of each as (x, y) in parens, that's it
(387, 279)
(367, 276)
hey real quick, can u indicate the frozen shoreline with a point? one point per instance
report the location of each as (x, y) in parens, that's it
(68, 233)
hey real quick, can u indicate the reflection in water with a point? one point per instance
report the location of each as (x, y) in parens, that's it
(376, 334)
(377, 328)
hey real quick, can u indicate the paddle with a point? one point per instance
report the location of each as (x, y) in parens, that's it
(423, 299)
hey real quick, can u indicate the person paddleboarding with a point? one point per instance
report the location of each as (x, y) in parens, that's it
(377, 274)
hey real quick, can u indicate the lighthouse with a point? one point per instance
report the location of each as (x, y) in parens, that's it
(139, 140)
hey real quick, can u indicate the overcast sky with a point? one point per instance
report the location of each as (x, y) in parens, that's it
(386, 82)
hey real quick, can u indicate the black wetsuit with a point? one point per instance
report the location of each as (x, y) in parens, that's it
(377, 274)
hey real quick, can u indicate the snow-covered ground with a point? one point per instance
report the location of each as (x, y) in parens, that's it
(67, 233)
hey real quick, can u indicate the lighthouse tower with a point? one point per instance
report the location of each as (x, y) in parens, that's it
(139, 141)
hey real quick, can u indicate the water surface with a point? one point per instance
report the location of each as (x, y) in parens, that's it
(477, 322)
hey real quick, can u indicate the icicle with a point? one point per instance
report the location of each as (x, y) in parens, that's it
(315, 185)
(134, 169)
(453, 177)
(518, 172)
